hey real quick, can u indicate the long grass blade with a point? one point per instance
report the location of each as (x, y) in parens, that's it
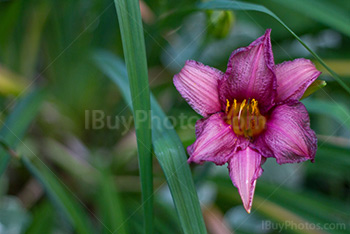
(110, 205)
(42, 219)
(338, 170)
(17, 122)
(235, 5)
(312, 207)
(168, 149)
(337, 111)
(59, 196)
(322, 11)
(282, 204)
(130, 23)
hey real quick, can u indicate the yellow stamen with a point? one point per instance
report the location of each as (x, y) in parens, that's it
(254, 105)
(241, 109)
(242, 105)
(245, 118)
(227, 105)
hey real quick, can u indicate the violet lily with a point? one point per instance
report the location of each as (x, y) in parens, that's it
(251, 112)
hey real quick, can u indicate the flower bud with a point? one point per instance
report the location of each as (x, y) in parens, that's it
(219, 23)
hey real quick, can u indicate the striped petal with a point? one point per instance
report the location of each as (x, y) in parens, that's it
(215, 141)
(245, 169)
(198, 85)
(250, 74)
(293, 78)
(288, 135)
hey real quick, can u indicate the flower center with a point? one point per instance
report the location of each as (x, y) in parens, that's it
(245, 117)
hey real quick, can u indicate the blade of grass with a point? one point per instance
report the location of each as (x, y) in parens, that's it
(59, 196)
(43, 219)
(70, 163)
(130, 24)
(311, 206)
(10, 83)
(322, 11)
(32, 37)
(17, 122)
(281, 204)
(335, 170)
(110, 205)
(235, 5)
(338, 112)
(9, 20)
(168, 149)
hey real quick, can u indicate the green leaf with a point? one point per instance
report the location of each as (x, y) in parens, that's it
(236, 5)
(168, 149)
(322, 11)
(332, 109)
(11, 83)
(312, 207)
(70, 163)
(8, 24)
(283, 205)
(32, 38)
(60, 196)
(42, 220)
(332, 163)
(316, 85)
(17, 122)
(131, 29)
(110, 205)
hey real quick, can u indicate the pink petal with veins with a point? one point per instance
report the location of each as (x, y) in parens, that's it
(215, 141)
(293, 78)
(198, 85)
(245, 169)
(250, 74)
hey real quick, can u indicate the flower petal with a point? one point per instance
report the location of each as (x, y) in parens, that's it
(215, 141)
(288, 135)
(293, 78)
(250, 74)
(198, 84)
(245, 169)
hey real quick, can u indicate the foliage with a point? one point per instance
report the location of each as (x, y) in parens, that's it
(62, 65)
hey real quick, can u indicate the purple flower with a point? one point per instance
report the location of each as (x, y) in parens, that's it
(251, 112)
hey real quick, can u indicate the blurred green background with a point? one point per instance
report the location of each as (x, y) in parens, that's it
(73, 178)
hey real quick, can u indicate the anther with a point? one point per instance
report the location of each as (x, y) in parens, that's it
(227, 105)
(245, 118)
